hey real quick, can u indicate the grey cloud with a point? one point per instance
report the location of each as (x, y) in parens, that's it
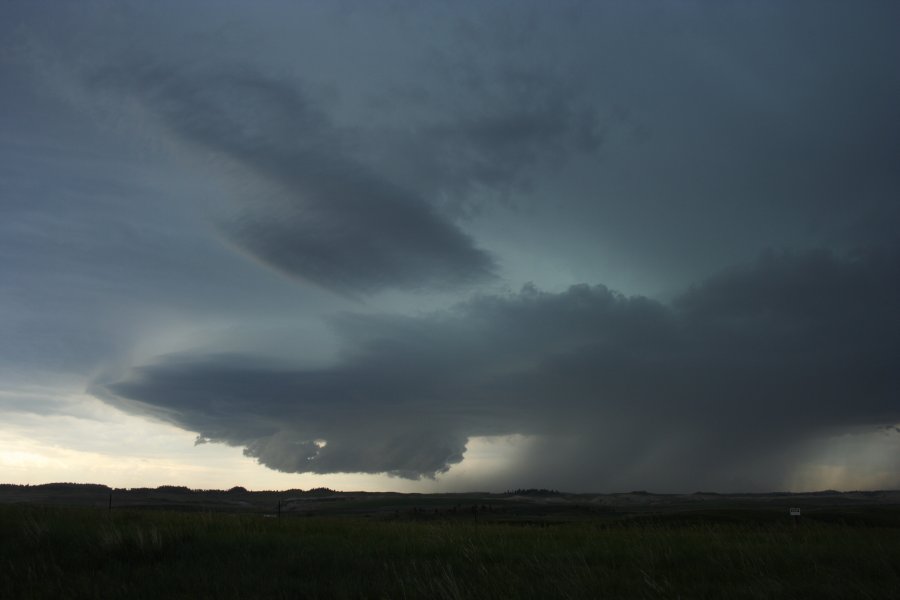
(621, 390)
(318, 212)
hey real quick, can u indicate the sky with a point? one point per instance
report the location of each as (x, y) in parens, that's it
(450, 246)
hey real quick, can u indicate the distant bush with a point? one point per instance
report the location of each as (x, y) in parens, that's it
(175, 489)
(238, 490)
(63, 487)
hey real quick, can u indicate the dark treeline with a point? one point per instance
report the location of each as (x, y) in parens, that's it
(533, 492)
(172, 489)
(64, 486)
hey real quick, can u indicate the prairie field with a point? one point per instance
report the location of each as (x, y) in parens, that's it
(89, 552)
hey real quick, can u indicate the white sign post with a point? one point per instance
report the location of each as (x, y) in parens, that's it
(795, 516)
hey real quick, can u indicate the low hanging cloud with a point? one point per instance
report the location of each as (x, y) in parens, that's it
(310, 208)
(619, 390)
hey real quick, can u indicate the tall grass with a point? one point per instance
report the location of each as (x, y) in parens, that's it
(83, 553)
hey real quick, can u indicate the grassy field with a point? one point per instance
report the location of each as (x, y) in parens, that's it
(65, 552)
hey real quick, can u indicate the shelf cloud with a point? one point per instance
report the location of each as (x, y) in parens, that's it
(753, 361)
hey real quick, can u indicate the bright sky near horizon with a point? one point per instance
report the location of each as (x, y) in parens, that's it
(451, 246)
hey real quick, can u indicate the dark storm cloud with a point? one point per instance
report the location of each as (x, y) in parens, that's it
(738, 370)
(646, 144)
(317, 212)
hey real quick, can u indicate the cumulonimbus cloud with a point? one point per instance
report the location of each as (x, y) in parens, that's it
(750, 362)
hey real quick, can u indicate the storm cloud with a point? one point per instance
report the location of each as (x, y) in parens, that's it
(754, 361)
(307, 230)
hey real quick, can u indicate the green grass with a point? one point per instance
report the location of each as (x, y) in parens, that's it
(89, 553)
